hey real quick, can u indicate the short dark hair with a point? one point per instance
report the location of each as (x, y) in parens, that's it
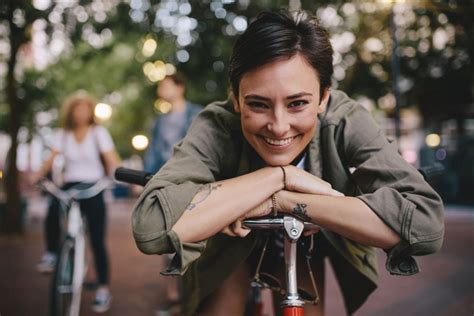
(277, 35)
(178, 78)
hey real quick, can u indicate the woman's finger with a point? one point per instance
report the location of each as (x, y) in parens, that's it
(332, 192)
(238, 230)
(242, 232)
(227, 231)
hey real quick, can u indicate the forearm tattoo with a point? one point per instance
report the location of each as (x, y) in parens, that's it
(301, 212)
(202, 194)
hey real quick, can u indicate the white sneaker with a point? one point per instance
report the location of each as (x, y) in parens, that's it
(47, 263)
(102, 301)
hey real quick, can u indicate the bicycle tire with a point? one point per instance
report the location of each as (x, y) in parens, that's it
(66, 288)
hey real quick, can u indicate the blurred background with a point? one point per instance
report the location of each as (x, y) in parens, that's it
(410, 63)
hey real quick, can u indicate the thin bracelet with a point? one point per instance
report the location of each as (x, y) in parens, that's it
(284, 177)
(274, 205)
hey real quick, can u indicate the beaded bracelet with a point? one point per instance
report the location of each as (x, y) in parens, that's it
(274, 205)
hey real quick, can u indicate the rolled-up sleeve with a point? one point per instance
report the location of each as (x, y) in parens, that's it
(196, 160)
(395, 191)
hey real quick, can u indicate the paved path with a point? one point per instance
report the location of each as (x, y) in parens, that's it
(444, 287)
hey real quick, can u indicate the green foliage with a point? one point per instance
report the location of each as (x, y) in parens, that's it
(113, 70)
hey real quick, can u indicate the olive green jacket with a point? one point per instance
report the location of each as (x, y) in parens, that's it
(353, 155)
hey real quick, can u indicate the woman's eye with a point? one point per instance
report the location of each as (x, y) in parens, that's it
(298, 103)
(257, 105)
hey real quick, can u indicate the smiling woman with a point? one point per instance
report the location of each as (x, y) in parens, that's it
(284, 142)
(279, 103)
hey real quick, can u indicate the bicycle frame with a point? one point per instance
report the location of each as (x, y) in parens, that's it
(76, 230)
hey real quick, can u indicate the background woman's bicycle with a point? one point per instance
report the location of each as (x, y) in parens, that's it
(71, 265)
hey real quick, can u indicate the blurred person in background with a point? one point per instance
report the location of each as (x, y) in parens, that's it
(169, 128)
(89, 155)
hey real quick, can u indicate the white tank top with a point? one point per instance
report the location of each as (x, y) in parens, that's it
(82, 159)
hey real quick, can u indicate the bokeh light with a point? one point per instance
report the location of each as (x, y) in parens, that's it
(410, 156)
(149, 47)
(170, 69)
(103, 111)
(433, 140)
(441, 154)
(182, 56)
(140, 142)
(162, 106)
(155, 71)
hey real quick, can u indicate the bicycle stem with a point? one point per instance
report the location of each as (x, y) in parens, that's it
(293, 229)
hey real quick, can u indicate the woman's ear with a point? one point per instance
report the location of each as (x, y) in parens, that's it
(236, 104)
(324, 101)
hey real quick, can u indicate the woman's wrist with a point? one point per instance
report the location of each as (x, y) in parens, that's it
(290, 203)
(277, 178)
(282, 201)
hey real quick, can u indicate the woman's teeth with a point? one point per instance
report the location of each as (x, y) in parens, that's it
(279, 142)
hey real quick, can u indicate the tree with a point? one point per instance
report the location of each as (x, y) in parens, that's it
(16, 13)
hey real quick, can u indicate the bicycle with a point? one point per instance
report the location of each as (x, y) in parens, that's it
(293, 228)
(71, 265)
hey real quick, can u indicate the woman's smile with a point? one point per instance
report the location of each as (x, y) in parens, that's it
(279, 143)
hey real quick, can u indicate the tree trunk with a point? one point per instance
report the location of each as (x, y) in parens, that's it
(12, 219)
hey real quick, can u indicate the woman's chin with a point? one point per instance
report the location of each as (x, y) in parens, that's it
(278, 161)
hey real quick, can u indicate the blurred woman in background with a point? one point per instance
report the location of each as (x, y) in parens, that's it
(89, 155)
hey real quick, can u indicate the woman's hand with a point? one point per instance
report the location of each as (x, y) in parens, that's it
(235, 229)
(299, 180)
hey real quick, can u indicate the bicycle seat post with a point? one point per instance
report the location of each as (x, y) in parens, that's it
(293, 229)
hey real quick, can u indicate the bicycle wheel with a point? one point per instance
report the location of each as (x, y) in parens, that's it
(66, 288)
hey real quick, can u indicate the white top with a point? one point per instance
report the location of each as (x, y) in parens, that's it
(82, 159)
(301, 162)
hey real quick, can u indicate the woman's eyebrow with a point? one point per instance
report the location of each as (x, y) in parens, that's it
(256, 97)
(299, 95)
(293, 96)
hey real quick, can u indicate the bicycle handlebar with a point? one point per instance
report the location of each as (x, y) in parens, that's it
(273, 223)
(141, 178)
(132, 176)
(74, 193)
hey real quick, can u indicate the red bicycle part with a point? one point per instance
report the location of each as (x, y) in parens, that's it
(293, 311)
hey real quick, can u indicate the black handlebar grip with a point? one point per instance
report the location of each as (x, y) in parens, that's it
(132, 176)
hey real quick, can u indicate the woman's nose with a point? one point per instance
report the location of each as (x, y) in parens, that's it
(279, 125)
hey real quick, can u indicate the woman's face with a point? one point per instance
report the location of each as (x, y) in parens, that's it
(279, 103)
(81, 114)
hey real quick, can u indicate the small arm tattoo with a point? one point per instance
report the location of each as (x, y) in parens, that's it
(301, 212)
(202, 194)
